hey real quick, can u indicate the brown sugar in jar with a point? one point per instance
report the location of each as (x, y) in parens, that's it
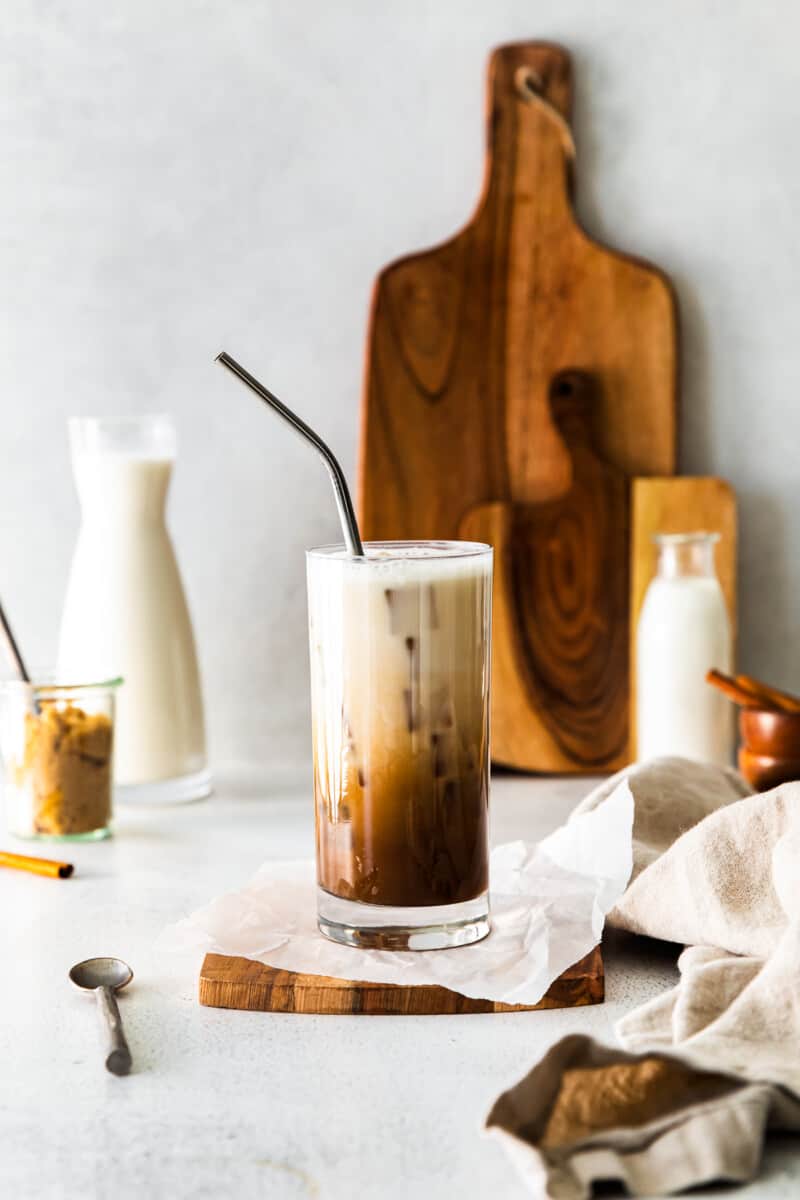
(58, 761)
(68, 761)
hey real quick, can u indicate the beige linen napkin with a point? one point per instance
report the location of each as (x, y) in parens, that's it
(717, 1058)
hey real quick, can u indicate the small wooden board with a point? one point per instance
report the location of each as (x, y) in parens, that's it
(240, 983)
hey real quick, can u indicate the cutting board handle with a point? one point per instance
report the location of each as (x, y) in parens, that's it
(531, 90)
(529, 175)
(559, 658)
(529, 107)
(548, 65)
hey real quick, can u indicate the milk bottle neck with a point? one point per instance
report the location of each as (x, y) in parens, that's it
(122, 467)
(118, 489)
(686, 556)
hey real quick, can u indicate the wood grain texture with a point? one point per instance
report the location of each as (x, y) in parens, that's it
(227, 982)
(465, 343)
(679, 505)
(465, 338)
(561, 593)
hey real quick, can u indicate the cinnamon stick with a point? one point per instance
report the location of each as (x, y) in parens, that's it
(785, 701)
(39, 866)
(739, 692)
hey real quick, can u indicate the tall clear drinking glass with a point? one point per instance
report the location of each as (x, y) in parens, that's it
(400, 662)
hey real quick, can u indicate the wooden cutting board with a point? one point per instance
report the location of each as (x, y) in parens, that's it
(227, 982)
(467, 343)
(561, 594)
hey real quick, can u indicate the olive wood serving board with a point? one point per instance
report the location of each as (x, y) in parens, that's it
(561, 594)
(227, 982)
(467, 345)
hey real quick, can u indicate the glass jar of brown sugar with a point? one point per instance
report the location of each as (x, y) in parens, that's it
(57, 744)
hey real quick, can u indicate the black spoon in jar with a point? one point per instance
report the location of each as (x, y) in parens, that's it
(13, 647)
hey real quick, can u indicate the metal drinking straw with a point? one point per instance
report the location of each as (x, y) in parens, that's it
(347, 514)
(12, 647)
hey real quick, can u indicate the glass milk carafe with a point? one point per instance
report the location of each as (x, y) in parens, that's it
(683, 632)
(125, 611)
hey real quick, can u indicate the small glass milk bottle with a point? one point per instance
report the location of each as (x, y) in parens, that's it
(683, 632)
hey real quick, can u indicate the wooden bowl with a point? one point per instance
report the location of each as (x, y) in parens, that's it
(764, 771)
(775, 734)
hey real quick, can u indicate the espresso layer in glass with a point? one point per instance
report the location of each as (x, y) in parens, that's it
(400, 688)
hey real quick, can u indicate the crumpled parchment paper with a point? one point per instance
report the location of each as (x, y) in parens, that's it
(548, 905)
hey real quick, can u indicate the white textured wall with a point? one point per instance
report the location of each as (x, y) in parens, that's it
(181, 175)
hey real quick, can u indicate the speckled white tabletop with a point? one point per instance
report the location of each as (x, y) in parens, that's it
(248, 1104)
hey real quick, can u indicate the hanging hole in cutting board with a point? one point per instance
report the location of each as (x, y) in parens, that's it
(528, 81)
(530, 86)
(573, 397)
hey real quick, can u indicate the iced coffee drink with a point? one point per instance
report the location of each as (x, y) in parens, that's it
(399, 646)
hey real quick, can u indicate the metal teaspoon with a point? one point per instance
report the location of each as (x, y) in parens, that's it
(105, 976)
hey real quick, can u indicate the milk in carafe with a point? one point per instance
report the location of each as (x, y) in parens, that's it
(125, 611)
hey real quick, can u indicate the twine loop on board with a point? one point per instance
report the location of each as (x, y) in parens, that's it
(530, 86)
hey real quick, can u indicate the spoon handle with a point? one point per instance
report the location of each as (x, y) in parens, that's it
(118, 1060)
